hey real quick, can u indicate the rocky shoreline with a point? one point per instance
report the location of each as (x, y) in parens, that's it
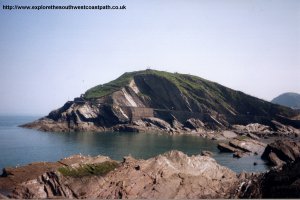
(154, 124)
(241, 140)
(168, 103)
(250, 133)
(169, 175)
(157, 101)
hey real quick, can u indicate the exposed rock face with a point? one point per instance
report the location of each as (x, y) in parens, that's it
(248, 145)
(285, 129)
(158, 123)
(194, 124)
(76, 117)
(170, 175)
(273, 158)
(253, 128)
(241, 146)
(11, 177)
(282, 151)
(226, 148)
(47, 124)
(281, 182)
(229, 134)
(177, 102)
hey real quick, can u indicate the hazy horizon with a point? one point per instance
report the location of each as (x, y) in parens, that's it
(50, 57)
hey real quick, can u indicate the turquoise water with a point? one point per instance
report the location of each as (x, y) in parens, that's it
(19, 146)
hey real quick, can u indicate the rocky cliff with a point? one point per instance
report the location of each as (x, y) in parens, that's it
(162, 101)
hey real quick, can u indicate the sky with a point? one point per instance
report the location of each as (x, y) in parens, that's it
(48, 57)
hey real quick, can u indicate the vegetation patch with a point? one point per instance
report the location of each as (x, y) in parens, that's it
(98, 169)
(243, 137)
(108, 88)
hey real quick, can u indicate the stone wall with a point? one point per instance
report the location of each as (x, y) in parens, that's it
(136, 113)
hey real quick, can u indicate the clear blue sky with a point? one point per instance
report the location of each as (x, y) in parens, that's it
(48, 57)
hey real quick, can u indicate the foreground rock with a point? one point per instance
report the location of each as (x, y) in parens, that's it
(281, 182)
(282, 151)
(12, 177)
(170, 175)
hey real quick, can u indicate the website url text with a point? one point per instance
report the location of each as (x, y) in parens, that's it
(60, 7)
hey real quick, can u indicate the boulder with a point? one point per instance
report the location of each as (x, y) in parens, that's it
(229, 134)
(247, 145)
(285, 150)
(242, 146)
(275, 160)
(226, 148)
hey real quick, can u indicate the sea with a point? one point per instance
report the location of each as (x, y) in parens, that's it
(21, 146)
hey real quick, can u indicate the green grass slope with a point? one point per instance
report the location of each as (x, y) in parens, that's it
(213, 95)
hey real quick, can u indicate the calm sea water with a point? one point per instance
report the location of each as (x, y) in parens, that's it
(19, 146)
